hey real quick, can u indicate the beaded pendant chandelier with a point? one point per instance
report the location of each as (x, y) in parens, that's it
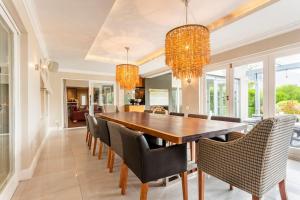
(187, 49)
(127, 75)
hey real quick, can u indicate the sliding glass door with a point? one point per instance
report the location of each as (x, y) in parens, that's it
(287, 91)
(216, 93)
(248, 91)
(5, 105)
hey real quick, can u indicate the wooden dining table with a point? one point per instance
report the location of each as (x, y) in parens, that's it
(174, 129)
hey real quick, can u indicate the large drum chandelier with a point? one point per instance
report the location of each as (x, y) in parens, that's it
(187, 49)
(127, 75)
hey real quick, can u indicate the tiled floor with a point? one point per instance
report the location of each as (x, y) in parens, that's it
(66, 170)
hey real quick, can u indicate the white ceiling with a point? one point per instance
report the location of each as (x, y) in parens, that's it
(69, 28)
(98, 30)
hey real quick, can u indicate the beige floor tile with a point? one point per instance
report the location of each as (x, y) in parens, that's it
(67, 170)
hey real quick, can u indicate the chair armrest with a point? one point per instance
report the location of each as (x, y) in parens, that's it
(235, 135)
(164, 162)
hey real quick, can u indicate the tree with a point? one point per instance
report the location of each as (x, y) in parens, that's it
(287, 92)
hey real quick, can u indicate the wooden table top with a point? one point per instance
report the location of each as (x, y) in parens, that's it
(173, 128)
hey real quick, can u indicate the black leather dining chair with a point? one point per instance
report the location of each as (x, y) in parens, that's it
(177, 114)
(115, 142)
(94, 133)
(151, 164)
(105, 138)
(87, 127)
(224, 138)
(198, 116)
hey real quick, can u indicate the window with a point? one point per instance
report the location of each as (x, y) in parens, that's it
(287, 73)
(159, 97)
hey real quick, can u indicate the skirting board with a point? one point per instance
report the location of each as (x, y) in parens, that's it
(26, 174)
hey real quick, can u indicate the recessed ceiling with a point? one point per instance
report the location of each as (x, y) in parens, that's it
(143, 24)
(91, 35)
(69, 28)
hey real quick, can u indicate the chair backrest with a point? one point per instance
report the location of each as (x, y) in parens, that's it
(177, 114)
(198, 116)
(135, 147)
(226, 119)
(93, 125)
(268, 144)
(115, 137)
(103, 131)
(148, 111)
(87, 121)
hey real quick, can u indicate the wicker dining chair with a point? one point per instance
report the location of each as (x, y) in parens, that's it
(254, 162)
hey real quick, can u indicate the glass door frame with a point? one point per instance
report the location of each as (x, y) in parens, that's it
(203, 86)
(15, 106)
(236, 64)
(91, 93)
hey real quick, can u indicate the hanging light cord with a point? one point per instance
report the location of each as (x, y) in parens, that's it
(127, 49)
(186, 3)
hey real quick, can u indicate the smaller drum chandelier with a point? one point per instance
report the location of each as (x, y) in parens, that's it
(127, 75)
(187, 49)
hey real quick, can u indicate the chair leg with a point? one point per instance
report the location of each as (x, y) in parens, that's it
(230, 187)
(144, 191)
(87, 136)
(90, 141)
(184, 185)
(108, 157)
(282, 190)
(121, 175)
(255, 197)
(100, 150)
(112, 160)
(95, 146)
(201, 184)
(124, 179)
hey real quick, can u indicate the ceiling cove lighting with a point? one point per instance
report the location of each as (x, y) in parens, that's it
(127, 75)
(187, 49)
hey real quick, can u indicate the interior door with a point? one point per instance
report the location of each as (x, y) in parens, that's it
(6, 38)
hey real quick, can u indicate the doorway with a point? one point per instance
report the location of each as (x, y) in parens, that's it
(76, 99)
